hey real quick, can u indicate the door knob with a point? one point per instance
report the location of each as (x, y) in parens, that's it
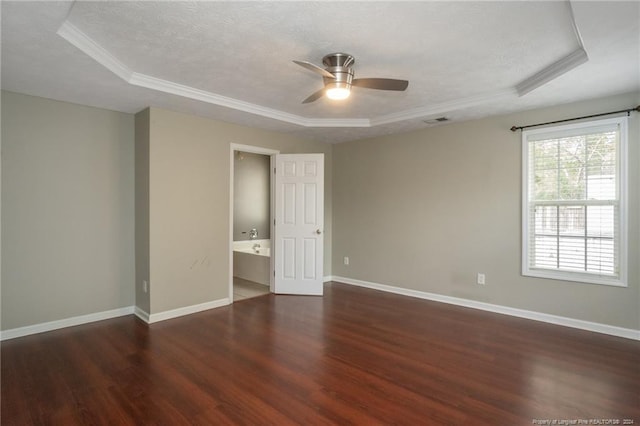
(318, 231)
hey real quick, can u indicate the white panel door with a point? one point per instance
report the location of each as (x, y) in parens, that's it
(299, 223)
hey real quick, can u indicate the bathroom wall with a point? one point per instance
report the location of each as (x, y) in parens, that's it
(251, 195)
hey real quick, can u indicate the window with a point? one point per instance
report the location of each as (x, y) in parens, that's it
(573, 213)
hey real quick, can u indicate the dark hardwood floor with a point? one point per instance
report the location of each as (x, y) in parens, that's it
(355, 356)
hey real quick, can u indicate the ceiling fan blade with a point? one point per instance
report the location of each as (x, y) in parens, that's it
(315, 68)
(381, 83)
(314, 96)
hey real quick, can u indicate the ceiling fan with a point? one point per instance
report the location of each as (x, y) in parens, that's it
(338, 78)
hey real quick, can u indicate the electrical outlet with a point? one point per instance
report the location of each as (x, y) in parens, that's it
(481, 279)
(346, 260)
(145, 286)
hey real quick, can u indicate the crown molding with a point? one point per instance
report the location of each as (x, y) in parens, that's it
(73, 35)
(443, 107)
(553, 71)
(562, 66)
(337, 122)
(166, 86)
(91, 48)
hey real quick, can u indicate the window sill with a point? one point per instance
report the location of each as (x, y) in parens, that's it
(574, 277)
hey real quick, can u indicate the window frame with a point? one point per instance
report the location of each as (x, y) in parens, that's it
(622, 154)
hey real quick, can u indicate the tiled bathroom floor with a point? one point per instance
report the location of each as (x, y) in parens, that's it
(244, 289)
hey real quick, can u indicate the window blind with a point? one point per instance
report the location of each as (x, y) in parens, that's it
(573, 206)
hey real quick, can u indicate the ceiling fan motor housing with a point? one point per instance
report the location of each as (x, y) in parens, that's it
(338, 60)
(339, 64)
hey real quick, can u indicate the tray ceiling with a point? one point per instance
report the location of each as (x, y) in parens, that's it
(233, 60)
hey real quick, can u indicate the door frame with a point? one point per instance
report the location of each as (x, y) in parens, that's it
(253, 150)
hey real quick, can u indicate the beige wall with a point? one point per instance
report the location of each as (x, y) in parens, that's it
(425, 211)
(430, 209)
(189, 160)
(67, 210)
(142, 137)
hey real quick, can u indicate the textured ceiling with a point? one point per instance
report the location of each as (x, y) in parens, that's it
(232, 60)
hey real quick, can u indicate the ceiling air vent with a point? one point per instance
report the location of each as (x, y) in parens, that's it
(436, 120)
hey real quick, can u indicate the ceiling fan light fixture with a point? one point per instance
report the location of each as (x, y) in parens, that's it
(337, 93)
(337, 89)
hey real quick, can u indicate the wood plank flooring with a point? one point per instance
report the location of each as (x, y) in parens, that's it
(354, 356)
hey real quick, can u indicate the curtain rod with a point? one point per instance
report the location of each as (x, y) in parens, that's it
(628, 111)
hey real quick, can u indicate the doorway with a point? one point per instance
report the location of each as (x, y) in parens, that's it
(251, 223)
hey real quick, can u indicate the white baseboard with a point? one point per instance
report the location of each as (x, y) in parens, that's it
(174, 313)
(142, 314)
(521, 313)
(327, 278)
(67, 322)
